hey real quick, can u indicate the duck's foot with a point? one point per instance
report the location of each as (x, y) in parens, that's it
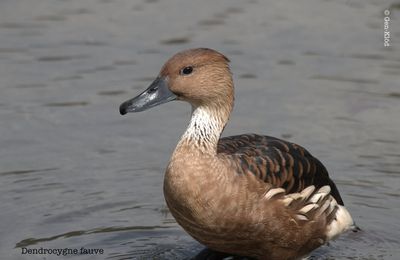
(208, 254)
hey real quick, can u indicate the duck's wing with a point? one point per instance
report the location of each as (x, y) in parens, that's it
(278, 162)
(313, 205)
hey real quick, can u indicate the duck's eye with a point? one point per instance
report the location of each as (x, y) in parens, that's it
(186, 70)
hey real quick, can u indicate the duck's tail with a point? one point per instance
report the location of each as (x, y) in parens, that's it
(341, 223)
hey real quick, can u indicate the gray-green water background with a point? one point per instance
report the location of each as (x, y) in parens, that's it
(74, 173)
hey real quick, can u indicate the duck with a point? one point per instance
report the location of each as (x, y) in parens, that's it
(247, 195)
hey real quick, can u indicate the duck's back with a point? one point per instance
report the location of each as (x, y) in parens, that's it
(278, 162)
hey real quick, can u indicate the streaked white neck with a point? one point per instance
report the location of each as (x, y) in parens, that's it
(205, 128)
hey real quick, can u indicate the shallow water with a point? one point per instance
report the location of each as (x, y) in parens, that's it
(74, 173)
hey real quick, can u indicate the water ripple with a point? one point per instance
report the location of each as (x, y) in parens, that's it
(19, 172)
(33, 241)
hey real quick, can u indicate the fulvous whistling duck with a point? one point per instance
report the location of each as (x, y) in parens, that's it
(249, 195)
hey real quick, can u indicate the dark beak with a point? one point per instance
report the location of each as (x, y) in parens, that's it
(156, 94)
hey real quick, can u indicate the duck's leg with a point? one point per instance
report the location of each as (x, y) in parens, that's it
(209, 254)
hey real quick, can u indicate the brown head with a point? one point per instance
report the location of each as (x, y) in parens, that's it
(198, 76)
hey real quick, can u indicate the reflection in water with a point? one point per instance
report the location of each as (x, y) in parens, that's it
(96, 69)
(19, 172)
(211, 22)
(50, 18)
(58, 58)
(33, 241)
(111, 92)
(67, 78)
(179, 40)
(393, 94)
(32, 85)
(68, 104)
(73, 173)
(339, 78)
(248, 76)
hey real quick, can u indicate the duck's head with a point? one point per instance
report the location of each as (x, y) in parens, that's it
(198, 76)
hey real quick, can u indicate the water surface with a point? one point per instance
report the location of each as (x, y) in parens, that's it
(74, 173)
